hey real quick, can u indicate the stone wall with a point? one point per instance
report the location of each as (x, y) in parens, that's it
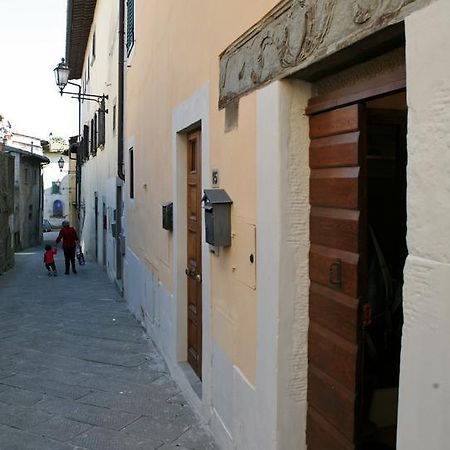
(424, 396)
(6, 210)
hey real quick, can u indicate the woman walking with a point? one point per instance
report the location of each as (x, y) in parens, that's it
(69, 237)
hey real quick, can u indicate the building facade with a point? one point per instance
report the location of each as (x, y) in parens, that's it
(6, 210)
(285, 211)
(92, 54)
(56, 184)
(28, 197)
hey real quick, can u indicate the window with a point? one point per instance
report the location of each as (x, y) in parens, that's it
(56, 187)
(95, 132)
(131, 163)
(101, 124)
(93, 48)
(130, 26)
(93, 144)
(86, 142)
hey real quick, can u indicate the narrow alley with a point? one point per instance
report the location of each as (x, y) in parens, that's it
(76, 371)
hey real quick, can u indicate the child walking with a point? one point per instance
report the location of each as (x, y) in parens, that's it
(49, 260)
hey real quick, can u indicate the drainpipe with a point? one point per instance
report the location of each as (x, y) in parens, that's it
(120, 131)
(120, 143)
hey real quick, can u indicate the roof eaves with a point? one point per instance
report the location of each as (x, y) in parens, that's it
(40, 158)
(80, 14)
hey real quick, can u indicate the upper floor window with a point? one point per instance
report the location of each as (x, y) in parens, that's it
(93, 48)
(56, 187)
(101, 124)
(130, 26)
(114, 118)
(131, 165)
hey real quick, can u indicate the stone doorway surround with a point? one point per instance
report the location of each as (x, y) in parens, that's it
(309, 39)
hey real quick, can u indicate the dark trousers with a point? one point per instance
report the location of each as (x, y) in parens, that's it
(51, 266)
(69, 257)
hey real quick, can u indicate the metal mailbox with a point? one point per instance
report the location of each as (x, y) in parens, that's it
(167, 216)
(217, 204)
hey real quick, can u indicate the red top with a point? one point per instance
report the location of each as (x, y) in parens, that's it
(49, 256)
(69, 237)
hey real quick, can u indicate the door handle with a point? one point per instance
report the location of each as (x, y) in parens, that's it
(198, 277)
(189, 272)
(335, 274)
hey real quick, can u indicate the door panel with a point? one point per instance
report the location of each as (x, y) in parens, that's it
(321, 261)
(334, 122)
(335, 151)
(194, 252)
(334, 401)
(322, 435)
(335, 187)
(326, 221)
(336, 259)
(333, 310)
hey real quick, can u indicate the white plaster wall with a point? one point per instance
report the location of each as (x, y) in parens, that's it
(99, 173)
(96, 179)
(424, 403)
(282, 268)
(51, 173)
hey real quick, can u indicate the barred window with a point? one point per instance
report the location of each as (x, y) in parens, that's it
(130, 26)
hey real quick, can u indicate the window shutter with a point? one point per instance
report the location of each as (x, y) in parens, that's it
(95, 133)
(101, 124)
(130, 26)
(92, 147)
(86, 142)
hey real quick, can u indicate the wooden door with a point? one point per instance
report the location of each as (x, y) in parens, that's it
(194, 252)
(337, 228)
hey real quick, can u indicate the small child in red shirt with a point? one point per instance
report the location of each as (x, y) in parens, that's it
(49, 260)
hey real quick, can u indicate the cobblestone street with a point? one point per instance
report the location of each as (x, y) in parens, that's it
(76, 371)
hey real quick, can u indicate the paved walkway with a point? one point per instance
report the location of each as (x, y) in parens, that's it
(76, 371)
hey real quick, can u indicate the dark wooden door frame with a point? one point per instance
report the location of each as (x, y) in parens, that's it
(333, 432)
(385, 84)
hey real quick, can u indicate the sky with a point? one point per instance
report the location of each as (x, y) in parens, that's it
(32, 36)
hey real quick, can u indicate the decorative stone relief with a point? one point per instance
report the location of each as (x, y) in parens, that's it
(298, 33)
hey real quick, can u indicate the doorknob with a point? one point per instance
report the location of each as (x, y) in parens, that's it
(198, 277)
(189, 272)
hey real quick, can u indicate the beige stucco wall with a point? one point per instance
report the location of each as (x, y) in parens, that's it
(424, 414)
(173, 57)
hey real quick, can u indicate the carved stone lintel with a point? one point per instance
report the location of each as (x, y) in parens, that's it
(298, 33)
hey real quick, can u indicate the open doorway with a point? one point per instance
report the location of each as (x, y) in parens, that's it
(386, 255)
(357, 255)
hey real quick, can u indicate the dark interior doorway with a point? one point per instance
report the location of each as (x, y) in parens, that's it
(386, 255)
